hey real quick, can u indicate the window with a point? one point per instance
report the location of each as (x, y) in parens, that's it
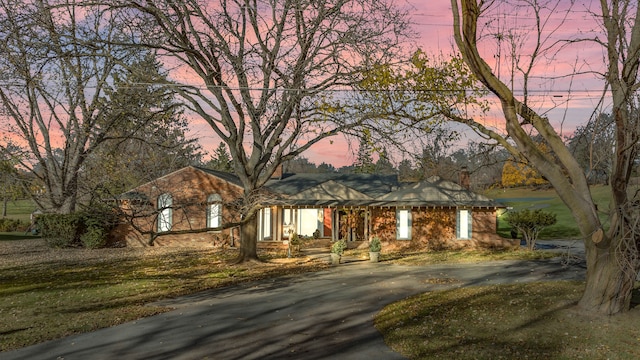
(287, 217)
(165, 213)
(463, 224)
(309, 221)
(288, 226)
(214, 211)
(403, 224)
(265, 224)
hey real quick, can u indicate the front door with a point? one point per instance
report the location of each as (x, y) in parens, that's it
(351, 225)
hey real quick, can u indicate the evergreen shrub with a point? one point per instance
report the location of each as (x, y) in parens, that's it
(87, 229)
(10, 225)
(60, 230)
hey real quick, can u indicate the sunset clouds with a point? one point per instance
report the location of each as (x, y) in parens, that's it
(565, 82)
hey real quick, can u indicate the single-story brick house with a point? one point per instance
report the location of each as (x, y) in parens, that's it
(324, 207)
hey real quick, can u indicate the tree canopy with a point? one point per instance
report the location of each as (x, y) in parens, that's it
(149, 142)
(267, 76)
(59, 61)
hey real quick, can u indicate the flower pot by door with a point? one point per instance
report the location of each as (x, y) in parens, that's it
(374, 256)
(335, 259)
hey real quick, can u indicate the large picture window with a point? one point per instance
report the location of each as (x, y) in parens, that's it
(463, 224)
(214, 211)
(165, 213)
(403, 224)
(305, 222)
(309, 221)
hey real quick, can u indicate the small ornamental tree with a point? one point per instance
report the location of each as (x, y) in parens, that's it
(530, 223)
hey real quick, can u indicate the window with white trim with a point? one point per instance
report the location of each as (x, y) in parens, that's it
(463, 224)
(288, 224)
(214, 211)
(403, 224)
(309, 221)
(265, 224)
(165, 213)
(287, 217)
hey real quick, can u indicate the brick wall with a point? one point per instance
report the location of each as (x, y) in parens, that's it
(189, 189)
(434, 228)
(484, 229)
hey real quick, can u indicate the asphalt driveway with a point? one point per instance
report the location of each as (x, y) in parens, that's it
(312, 316)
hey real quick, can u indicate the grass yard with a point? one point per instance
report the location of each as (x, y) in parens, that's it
(466, 256)
(548, 200)
(15, 236)
(20, 209)
(50, 293)
(519, 321)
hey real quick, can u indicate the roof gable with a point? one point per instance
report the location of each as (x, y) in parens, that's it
(226, 177)
(330, 190)
(436, 191)
(370, 185)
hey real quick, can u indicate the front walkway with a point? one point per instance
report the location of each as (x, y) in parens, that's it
(310, 316)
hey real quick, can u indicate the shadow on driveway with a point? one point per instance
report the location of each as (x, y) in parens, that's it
(310, 316)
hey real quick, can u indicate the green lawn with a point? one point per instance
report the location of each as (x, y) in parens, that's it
(516, 321)
(14, 236)
(50, 293)
(20, 209)
(548, 200)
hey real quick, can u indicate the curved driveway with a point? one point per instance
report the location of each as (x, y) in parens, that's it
(311, 316)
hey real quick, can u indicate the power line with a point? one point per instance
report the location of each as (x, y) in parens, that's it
(143, 85)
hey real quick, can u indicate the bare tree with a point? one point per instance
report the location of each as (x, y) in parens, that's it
(57, 59)
(592, 145)
(268, 76)
(612, 256)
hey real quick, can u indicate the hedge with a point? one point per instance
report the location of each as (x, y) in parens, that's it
(11, 225)
(87, 229)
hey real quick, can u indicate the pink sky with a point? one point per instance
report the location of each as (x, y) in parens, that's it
(433, 22)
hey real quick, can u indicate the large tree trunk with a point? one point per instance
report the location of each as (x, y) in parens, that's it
(57, 203)
(68, 205)
(248, 240)
(61, 193)
(609, 282)
(612, 259)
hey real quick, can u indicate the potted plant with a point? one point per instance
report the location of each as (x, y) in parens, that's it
(337, 249)
(374, 249)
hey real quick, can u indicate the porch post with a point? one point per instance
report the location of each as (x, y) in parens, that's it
(277, 217)
(334, 225)
(260, 227)
(366, 223)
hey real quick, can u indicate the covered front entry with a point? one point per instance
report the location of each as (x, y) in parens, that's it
(334, 223)
(352, 224)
